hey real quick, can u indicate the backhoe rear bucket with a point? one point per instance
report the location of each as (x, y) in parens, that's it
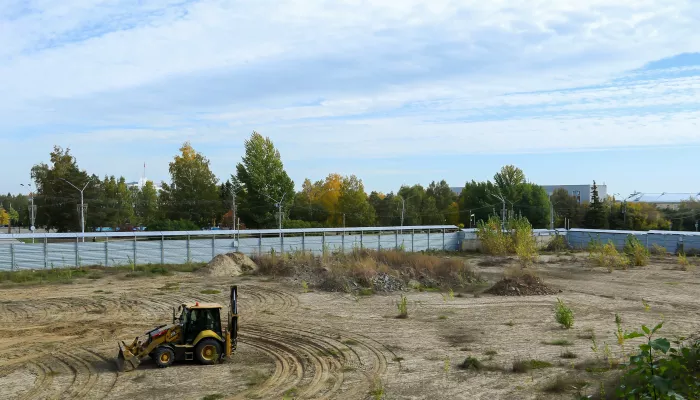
(126, 360)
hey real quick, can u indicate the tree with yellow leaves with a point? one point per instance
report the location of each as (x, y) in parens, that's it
(4, 217)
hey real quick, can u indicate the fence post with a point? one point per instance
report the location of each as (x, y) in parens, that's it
(342, 242)
(379, 240)
(213, 247)
(413, 232)
(428, 248)
(303, 242)
(162, 250)
(134, 249)
(281, 243)
(106, 251)
(260, 244)
(396, 240)
(77, 256)
(188, 249)
(361, 242)
(46, 252)
(12, 256)
(443, 239)
(323, 244)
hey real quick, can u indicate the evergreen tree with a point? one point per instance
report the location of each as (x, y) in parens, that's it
(596, 217)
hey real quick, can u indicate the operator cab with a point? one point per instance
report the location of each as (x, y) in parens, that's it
(197, 317)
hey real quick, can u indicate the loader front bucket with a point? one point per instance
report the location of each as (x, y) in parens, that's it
(126, 360)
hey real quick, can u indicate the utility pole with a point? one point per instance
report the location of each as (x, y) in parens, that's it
(343, 220)
(279, 209)
(551, 214)
(32, 208)
(82, 205)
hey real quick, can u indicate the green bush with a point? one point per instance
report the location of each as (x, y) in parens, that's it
(493, 240)
(557, 244)
(524, 243)
(563, 315)
(636, 252)
(661, 369)
(402, 305)
(607, 256)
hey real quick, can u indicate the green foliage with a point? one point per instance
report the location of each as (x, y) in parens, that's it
(557, 244)
(354, 204)
(471, 363)
(146, 204)
(636, 252)
(524, 242)
(595, 217)
(563, 315)
(261, 182)
(210, 291)
(534, 205)
(509, 182)
(522, 366)
(172, 225)
(683, 262)
(658, 250)
(661, 369)
(402, 305)
(493, 240)
(607, 256)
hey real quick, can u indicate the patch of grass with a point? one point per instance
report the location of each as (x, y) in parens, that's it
(562, 384)
(99, 291)
(256, 378)
(290, 394)
(471, 363)
(563, 315)
(568, 354)
(170, 286)
(350, 342)
(215, 396)
(588, 334)
(510, 323)
(397, 359)
(442, 317)
(559, 342)
(366, 292)
(377, 391)
(672, 283)
(402, 305)
(210, 291)
(490, 353)
(522, 366)
(53, 373)
(348, 368)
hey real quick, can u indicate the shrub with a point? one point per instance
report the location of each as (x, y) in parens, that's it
(402, 305)
(522, 366)
(661, 369)
(636, 252)
(471, 363)
(607, 256)
(683, 262)
(557, 244)
(493, 240)
(524, 243)
(658, 250)
(563, 315)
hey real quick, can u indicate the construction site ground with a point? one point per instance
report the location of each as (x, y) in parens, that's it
(59, 341)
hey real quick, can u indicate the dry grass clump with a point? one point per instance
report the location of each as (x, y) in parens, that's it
(362, 268)
(607, 256)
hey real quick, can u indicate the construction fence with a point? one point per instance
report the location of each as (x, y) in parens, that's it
(61, 250)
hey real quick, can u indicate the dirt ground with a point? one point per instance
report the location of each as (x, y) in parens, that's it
(59, 341)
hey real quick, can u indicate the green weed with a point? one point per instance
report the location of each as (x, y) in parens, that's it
(563, 315)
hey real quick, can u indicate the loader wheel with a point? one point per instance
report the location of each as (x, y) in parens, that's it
(208, 351)
(163, 357)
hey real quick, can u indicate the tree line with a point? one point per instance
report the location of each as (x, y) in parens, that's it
(260, 189)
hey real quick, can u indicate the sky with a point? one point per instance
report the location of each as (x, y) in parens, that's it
(395, 92)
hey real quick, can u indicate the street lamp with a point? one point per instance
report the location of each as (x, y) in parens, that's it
(82, 206)
(32, 209)
(403, 205)
(279, 208)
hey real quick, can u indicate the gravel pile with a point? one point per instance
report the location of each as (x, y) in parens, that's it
(521, 286)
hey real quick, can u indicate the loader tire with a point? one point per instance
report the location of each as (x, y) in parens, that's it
(208, 351)
(163, 357)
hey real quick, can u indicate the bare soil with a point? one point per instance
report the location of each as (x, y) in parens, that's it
(59, 341)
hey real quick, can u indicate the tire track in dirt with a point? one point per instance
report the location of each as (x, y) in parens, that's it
(319, 365)
(44, 378)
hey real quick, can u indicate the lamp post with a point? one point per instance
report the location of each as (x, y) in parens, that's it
(82, 206)
(32, 210)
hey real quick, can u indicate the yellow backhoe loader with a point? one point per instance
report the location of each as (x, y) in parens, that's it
(195, 333)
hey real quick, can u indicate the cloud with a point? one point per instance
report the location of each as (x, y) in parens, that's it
(347, 79)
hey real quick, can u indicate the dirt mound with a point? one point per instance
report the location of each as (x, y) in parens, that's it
(231, 264)
(521, 286)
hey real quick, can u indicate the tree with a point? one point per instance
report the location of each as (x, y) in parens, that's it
(263, 183)
(147, 204)
(444, 197)
(4, 217)
(595, 216)
(475, 199)
(509, 183)
(58, 203)
(353, 203)
(430, 215)
(194, 194)
(328, 198)
(413, 197)
(452, 216)
(567, 208)
(387, 208)
(534, 205)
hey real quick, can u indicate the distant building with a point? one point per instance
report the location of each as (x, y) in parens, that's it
(141, 183)
(583, 193)
(664, 200)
